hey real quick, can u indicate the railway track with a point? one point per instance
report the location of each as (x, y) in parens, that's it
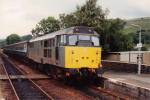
(50, 86)
(55, 87)
(92, 91)
(24, 89)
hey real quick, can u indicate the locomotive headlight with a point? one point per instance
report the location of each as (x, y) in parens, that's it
(72, 52)
(100, 65)
(67, 74)
(93, 70)
(96, 52)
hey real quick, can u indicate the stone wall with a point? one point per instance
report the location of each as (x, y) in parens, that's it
(138, 93)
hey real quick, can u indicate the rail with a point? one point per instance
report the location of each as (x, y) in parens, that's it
(10, 82)
(46, 94)
(15, 66)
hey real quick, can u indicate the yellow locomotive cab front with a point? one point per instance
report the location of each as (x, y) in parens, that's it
(82, 57)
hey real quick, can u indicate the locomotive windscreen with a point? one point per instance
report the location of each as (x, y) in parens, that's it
(83, 39)
(83, 29)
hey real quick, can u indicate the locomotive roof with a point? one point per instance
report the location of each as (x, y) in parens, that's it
(71, 30)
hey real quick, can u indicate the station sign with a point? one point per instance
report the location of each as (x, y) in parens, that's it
(139, 45)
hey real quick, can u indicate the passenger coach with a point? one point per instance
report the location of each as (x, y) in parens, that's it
(16, 49)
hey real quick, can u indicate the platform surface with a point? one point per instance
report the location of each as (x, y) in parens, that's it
(142, 80)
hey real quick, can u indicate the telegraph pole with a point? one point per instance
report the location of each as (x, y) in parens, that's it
(139, 46)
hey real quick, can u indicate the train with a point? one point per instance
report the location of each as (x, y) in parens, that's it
(69, 52)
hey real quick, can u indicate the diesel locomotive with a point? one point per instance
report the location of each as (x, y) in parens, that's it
(67, 52)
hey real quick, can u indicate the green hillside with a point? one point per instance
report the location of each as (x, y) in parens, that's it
(132, 31)
(143, 22)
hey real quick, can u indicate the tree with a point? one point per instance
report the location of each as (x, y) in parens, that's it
(126, 43)
(26, 37)
(145, 36)
(89, 14)
(46, 26)
(113, 38)
(68, 20)
(2, 43)
(94, 16)
(13, 38)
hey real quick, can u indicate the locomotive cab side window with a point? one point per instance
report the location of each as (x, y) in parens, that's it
(61, 40)
(95, 41)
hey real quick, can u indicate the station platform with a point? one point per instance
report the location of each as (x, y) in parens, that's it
(134, 79)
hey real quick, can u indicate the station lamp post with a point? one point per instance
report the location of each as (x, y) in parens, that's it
(139, 46)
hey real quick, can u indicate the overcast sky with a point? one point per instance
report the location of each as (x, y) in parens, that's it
(20, 16)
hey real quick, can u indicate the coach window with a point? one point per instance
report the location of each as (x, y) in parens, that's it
(49, 43)
(49, 52)
(45, 43)
(41, 43)
(45, 52)
(53, 42)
